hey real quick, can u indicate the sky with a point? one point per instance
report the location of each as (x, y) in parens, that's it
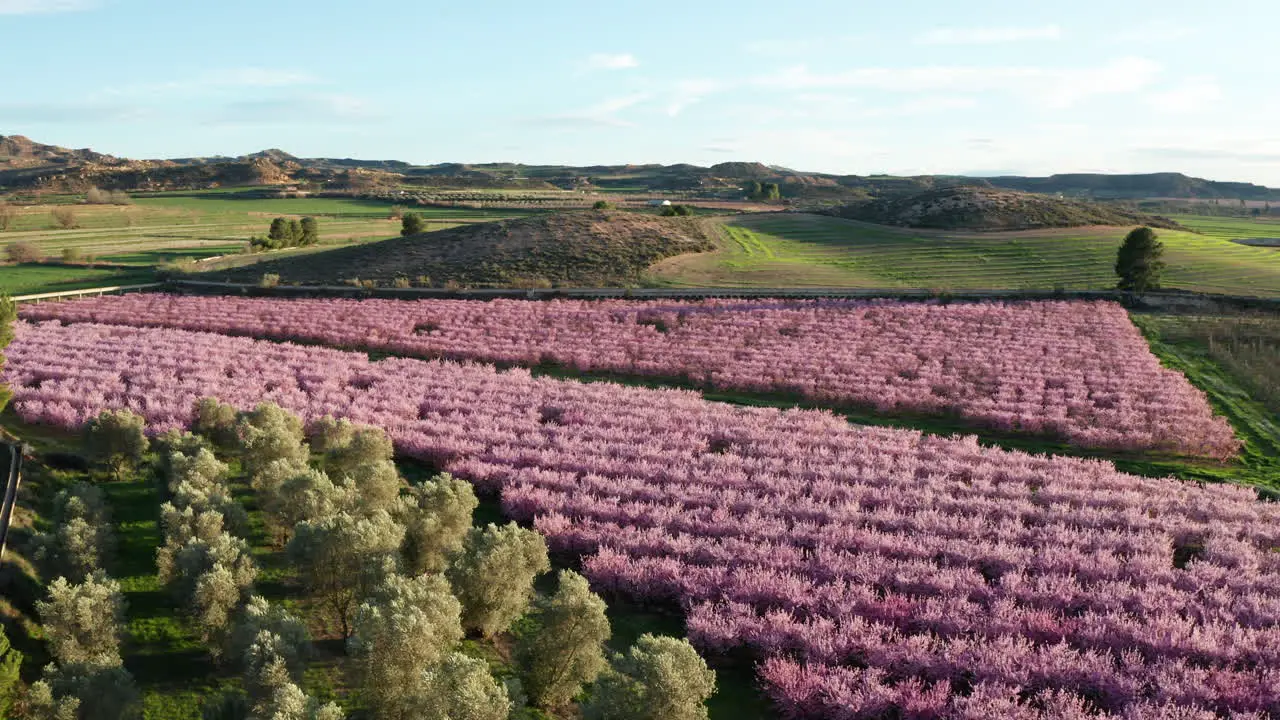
(851, 87)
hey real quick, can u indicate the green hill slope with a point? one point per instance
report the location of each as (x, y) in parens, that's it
(786, 249)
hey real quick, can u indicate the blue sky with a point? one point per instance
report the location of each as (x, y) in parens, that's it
(843, 86)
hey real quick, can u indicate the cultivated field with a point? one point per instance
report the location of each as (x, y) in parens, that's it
(128, 242)
(1042, 368)
(869, 570)
(786, 250)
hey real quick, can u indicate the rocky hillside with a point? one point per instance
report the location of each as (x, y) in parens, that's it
(581, 249)
(17, 152)
(989, 209)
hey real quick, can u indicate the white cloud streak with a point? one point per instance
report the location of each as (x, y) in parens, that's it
(988, 35)
(606, 61)
(44, 7)
(1054, 88)
(602, 114)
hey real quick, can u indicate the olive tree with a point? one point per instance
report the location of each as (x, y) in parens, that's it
(293, 642)
(83, 622)
(80, 540)
(659, 678)
(116, 439)
(342, 557)
(493, 574)
(84, 692)
(564, 650)
(269, 433)
(436, 515)
(460, 688)
(273, 693)
(216, 421)
(361, 455)
(406, 624)
(210, 579)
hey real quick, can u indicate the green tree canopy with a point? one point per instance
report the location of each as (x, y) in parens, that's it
(565, 650)
(310, 231)
(412, 224)
(659, 678)
(493, 575)
(116, 438)
(1138, 263)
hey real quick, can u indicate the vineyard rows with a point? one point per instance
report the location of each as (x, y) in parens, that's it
(875, 571)
(1075, 370)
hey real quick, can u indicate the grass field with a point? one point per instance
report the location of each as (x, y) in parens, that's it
(168, 227)
(785, 249)
(1231, 228)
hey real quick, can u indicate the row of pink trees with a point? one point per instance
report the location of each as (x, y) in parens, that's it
(1075, 370)
(877, 572)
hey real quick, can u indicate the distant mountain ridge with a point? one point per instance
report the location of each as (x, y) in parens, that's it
(26, 164)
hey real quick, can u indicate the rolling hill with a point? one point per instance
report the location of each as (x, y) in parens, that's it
(991, 209)
(768, 250)
(581, 249)
(25, 164)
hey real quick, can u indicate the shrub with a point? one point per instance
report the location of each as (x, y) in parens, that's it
(64, 217)
(493, 574)
(279, 235)
(310, 231)
(659, 678)
(412, 224)
(8, 215)
(565, 650)
(116, 439)
(676, 210)
(72, 255)
(23, 252)
(602, 205)
(269, 280)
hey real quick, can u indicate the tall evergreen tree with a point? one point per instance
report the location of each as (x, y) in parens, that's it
(1138, 263)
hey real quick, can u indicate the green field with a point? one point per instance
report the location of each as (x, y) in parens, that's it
(792, 249)
(1231, 228)
(169, 227)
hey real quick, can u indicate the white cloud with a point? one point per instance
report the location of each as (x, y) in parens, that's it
(1055, 88)
(44, 7)
(1158, 31)
(319, 109)
(1197, 93)
(988, 35)
(227, 78)
(606, 61)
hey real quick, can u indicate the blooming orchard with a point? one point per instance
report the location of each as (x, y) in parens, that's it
(1076, 370)
(878, 572)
